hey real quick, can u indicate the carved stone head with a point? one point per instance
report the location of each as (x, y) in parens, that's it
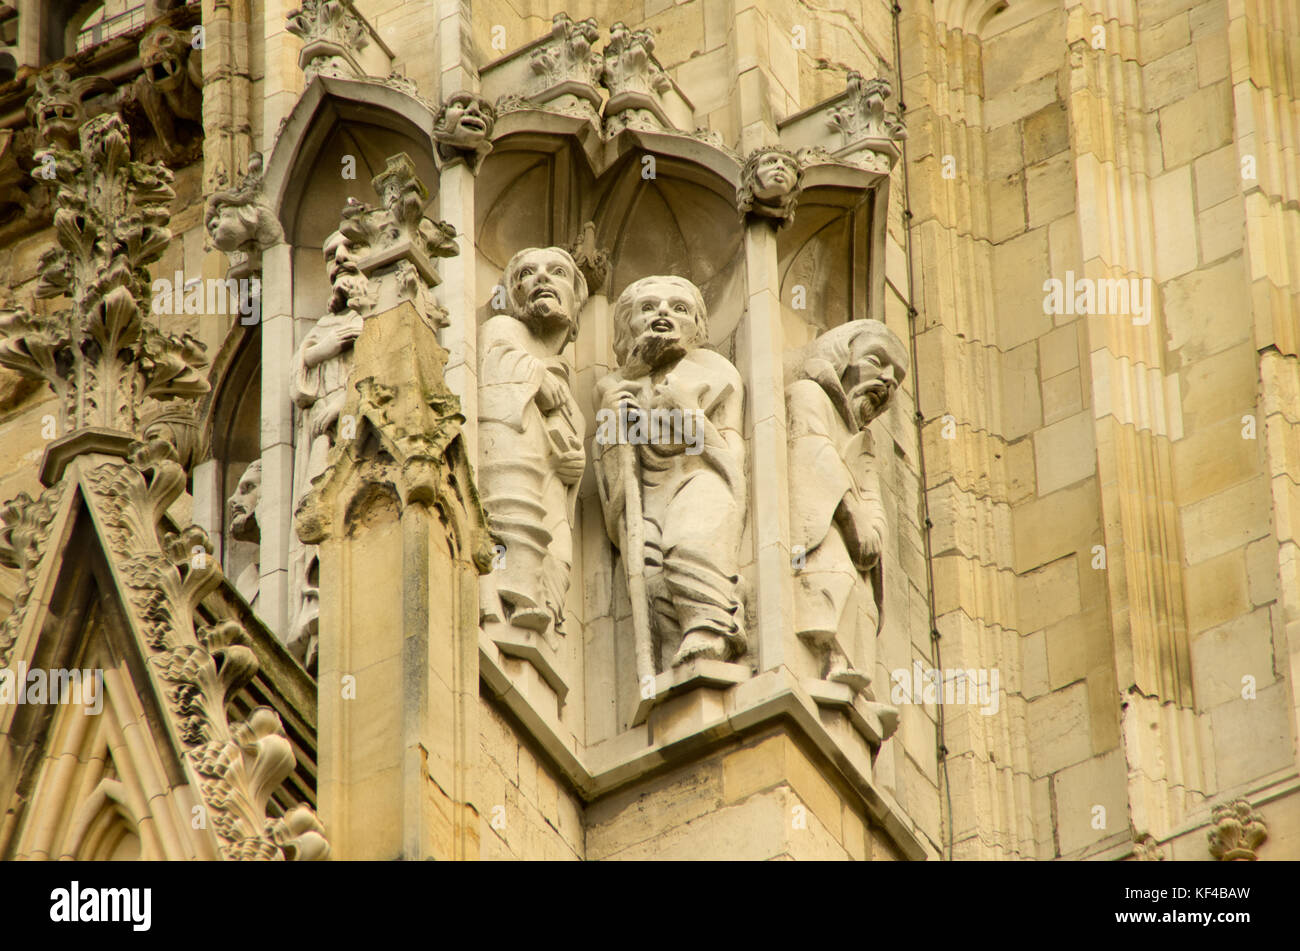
(658, 319)
(859, 364)
(546, 289)
(57, 108)
(243, 504)
(770, 184)
(163, 56)
(465, 121)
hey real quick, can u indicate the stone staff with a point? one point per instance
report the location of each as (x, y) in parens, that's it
(634, 562)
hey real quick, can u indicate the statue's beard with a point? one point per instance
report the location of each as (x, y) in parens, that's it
(244, 528)
(655, 349)
(869, 400)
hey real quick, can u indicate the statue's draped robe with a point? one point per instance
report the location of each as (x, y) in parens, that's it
(693, 505)
(529, 508)
(829, 464)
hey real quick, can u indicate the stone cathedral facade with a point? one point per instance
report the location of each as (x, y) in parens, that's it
(645, 429)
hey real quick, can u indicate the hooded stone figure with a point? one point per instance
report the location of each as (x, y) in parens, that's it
(835, 387)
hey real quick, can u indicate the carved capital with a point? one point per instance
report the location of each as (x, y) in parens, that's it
(869, 135)
(1237, 833)
(566, 68)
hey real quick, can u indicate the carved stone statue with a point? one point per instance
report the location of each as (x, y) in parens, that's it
(319, 389)
(463, 129)
(682, 480)
(170, 87)
(835, 387)
(244, 527)
(530, 438)
(770, 184)
(241, 224)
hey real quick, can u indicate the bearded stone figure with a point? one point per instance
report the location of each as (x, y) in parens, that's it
(244, 527)
(674, 492)
(530, 439)
(319, 389)
(835, 387)
(463, 128)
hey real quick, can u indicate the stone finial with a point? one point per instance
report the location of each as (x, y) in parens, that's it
(333, 34)
(395, 245)
(242, 224)
(869, 134)
(635, 81)
(1147, 849)
(1238, 832)
(463, 129)
(100, 355)
(770, 184)
(592, 261)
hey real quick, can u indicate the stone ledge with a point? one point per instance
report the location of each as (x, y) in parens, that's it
(706, 717)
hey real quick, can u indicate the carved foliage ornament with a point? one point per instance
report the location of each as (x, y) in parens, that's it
(866, 130)
(165, 575)
(333, 33)
(635, 81)
(100, 356)
(24, 528)
(1237, 833)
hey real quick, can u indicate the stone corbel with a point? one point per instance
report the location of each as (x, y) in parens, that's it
(1238, 832)
(770, 184)
(242, 224)
(463, 129)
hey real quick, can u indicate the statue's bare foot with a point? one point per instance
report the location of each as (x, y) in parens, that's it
(699, 645)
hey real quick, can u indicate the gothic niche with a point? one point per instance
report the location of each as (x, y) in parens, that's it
(463, 129)
(170, 91)
(670, 465)
(835, 387)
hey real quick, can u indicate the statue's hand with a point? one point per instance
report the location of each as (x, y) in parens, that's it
(570, 465)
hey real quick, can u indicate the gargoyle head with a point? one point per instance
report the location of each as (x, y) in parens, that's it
(164, 55)
(58, 106)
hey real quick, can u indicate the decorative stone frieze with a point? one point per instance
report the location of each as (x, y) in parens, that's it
(1238, 832)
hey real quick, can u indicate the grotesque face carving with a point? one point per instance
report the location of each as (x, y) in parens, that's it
(57, 107)
(658, 319)
(227, 227)
(465, 121)
(162, 55)
(243, 504)
(546, 288)
(775, 176)
(872, 375)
